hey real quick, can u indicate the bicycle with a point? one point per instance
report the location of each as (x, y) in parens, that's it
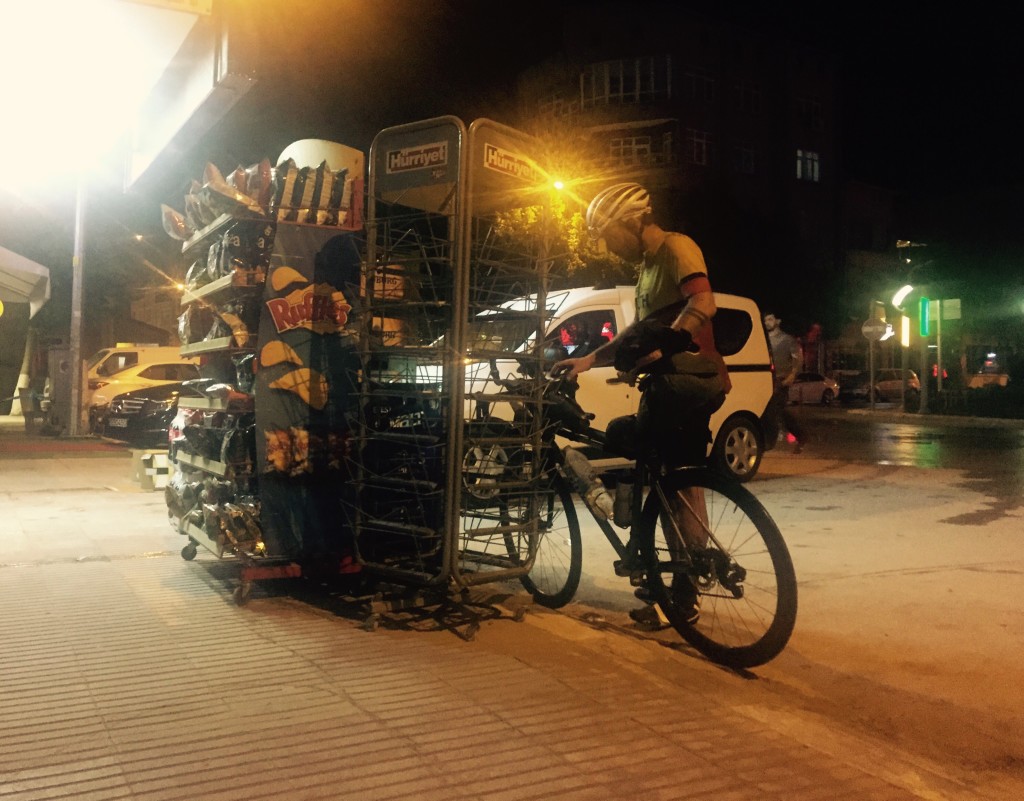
(742, 574)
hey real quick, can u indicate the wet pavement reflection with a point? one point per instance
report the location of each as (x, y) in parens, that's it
(987, 452)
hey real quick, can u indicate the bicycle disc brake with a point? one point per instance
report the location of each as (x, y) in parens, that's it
(713, 566)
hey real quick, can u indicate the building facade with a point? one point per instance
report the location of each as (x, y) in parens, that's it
(734, 130)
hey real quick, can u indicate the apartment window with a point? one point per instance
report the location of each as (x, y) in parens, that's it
(626, 81)
(811, 115)
(744, 161)
(748, 98)
(698, 147)
(808, 166)
(699, 84)
(629, 150)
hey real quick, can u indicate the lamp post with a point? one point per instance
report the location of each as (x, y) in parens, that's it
(897, 301)
(75, 339)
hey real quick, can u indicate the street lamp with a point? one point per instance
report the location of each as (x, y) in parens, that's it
(71, 108)
(897, 301)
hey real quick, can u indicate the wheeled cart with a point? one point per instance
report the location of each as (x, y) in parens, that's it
(359, 424)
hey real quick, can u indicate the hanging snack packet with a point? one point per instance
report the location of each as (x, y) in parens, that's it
(234, 251)
(197, 275)
(294, 201)
(174, 224)
(195, 214)
(211, 173)
(213, 260)
(311, 194)
(208, 212)
(326, 187)
(242, 317)
(225, 199)
(334, 204)
(218, 330)
(193, 323)
(259, 184)
(238, 179)
(262, 249)
(284, 184)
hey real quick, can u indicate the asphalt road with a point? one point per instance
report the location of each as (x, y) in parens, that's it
(906, 539)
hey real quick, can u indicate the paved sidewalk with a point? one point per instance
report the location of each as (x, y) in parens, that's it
(128, 673)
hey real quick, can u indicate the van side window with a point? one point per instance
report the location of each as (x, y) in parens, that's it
(585, 332)
(732, 329)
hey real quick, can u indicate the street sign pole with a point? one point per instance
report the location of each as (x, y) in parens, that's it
(871, 374)
(874, 329)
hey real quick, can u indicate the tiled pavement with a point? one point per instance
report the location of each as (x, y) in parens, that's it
(128, 673)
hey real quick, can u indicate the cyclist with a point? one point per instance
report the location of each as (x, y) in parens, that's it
(671, 340)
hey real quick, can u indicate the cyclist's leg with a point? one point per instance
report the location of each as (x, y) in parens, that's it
(674, 426)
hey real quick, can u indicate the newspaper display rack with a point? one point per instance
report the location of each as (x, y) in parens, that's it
(448, 479)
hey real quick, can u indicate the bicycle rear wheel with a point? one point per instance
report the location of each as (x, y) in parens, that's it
(558, 565)
(743, 576)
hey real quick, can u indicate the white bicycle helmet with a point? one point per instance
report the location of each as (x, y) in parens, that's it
(618, 202)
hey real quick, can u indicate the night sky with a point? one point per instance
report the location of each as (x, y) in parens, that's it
(930, 97)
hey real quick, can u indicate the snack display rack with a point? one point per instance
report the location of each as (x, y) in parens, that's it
(355, 423)
(267, 382)
(448, 479)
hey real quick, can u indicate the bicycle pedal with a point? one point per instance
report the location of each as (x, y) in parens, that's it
(626, 567)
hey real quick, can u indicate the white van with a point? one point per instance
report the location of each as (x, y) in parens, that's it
(742, 430)
(107, 361)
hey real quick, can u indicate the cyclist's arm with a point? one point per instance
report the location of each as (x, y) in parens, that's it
(694, 286)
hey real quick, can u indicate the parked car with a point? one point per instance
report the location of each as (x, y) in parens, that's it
(139, 376)
(887, 387)
(142, 417)
(811, 388)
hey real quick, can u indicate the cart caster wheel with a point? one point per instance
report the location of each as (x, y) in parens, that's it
(242, 593)
(471, 631)
(188, 553)
(371, 623)
(519, 615)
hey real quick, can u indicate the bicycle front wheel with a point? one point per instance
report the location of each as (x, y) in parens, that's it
(558, 548)
(718, 567)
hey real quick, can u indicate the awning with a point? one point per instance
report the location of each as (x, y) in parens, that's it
(23, 281)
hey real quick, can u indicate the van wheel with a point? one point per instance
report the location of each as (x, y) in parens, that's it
(738, 449)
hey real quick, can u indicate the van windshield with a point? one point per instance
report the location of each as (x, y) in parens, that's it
(503, 332)
(512, 328)
(97, 357)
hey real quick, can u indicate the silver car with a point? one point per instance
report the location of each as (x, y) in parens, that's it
(813, 388)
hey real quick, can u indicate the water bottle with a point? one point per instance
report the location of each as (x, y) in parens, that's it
(623, 512)
(588, 484)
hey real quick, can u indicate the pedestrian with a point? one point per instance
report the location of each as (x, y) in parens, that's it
(672, 342)
(787, 357)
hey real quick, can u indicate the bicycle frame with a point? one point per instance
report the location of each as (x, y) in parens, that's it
(628, 551)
